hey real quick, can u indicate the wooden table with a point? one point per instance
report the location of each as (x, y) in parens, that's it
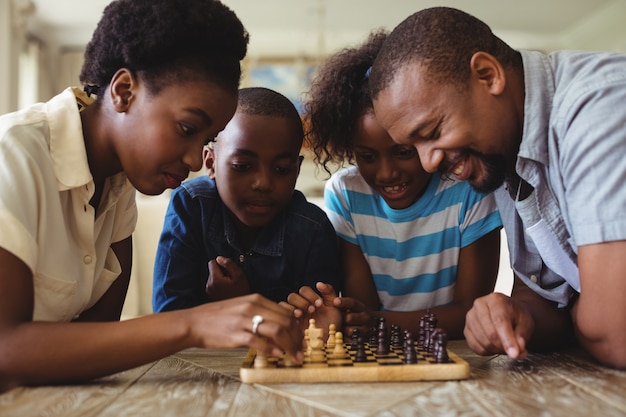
(206, 383)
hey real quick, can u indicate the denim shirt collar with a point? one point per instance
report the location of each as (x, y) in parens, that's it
(270, 241)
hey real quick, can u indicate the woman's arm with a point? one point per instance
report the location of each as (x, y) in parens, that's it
(34, 353)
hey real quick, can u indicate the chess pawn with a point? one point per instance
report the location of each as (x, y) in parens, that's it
(440, 348)
(383, 343)
(339, 350)
(410, 355)
(330, 343)
(354, 339)
(361, 354)
(260, 360)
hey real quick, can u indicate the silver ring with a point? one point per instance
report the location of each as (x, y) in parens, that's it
(256, 320)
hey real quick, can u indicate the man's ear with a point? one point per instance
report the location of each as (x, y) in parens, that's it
(208, 156)
(123, 89)
(488, 71)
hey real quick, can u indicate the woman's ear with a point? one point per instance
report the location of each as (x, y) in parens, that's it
(487, 71)
(122, 89)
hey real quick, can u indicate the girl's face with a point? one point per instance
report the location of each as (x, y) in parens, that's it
(161, 137)
(394, 171)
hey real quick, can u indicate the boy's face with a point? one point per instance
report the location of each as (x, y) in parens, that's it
(467, 134)
(394, 171)
(255, 163)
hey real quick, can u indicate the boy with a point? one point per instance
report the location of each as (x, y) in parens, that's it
(243, 228)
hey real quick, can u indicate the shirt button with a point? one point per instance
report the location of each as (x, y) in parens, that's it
(533, 278)
(87, 259)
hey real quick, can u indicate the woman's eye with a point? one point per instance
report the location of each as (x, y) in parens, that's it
(186, 129)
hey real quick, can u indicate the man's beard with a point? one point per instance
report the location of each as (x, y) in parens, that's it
(495, 172)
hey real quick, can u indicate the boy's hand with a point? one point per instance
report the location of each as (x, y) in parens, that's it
(226, 280)
(356, 315)
(308, 304)
(498, 324)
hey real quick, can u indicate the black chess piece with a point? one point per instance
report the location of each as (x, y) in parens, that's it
(396, 338)
(383, 343)
(361, 354)
(354, 339)
(440, 346)
(409, 352)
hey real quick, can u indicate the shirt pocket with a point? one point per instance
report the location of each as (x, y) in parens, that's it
(55, 299)
(110, 272)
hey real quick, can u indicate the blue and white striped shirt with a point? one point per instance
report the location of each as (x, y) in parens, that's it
(413, 253)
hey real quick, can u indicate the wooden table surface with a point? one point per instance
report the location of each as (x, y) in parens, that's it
(198, 382)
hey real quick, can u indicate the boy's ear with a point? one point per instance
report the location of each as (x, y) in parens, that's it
(123, 89)
(300, 159)
(208, 156)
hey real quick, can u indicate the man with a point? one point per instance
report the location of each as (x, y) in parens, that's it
(548, 134)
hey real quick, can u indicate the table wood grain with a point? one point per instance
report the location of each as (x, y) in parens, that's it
(199, 382)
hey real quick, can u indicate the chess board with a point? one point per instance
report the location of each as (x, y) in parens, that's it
(343, 368)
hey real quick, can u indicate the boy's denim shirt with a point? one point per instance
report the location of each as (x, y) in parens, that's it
(298, 248)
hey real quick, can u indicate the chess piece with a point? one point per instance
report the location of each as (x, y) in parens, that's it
(361, 354)
(396, 338)
(316, 344)
(383, 343)
(260, 360)
(409, 353)
(339, 350)
(440, 346)
(330, 342)
(354, 339)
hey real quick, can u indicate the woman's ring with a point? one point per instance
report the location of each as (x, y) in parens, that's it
(256, 320)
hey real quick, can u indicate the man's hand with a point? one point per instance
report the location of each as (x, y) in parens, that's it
(498, 324)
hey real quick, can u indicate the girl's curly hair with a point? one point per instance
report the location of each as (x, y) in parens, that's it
(166, 41)
(338, 96)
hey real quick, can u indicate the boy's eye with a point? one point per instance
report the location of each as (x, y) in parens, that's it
(238, 166)
(284, 170)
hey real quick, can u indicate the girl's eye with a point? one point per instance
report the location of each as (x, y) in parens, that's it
(366, 157)
(407, 152)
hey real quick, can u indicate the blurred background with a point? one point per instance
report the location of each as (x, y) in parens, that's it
(42, 41)
(42, 44)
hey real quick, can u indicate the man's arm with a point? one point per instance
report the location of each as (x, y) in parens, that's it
(599, 315)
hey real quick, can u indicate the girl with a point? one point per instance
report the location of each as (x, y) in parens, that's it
(409, 241)
(165, 75)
